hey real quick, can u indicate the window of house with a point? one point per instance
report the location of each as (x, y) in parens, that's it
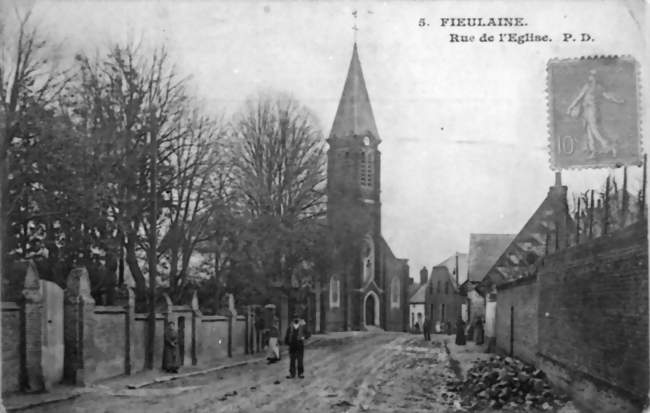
(335, 292)
(394, 292)
(439, 289)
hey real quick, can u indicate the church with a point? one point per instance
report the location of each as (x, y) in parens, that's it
(368, 287)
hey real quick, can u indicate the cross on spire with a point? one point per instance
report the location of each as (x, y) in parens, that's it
(355, 28)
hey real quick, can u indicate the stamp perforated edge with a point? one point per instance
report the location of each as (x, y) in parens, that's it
(549, 111)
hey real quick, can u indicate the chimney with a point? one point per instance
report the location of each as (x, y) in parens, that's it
(411, 281)
(424, 275)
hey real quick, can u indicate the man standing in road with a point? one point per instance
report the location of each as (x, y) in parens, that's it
(426, 327)
(297, 333)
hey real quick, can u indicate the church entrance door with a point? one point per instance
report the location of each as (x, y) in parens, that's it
(370, 310)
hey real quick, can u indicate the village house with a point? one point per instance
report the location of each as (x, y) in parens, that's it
(484, 250)
(442, 297)
(565, 277)
(417, 300)
(516, 262)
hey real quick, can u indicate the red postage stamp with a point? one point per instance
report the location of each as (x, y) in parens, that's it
(594, 112)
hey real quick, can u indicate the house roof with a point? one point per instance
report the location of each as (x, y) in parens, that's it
(354, 115)
(530, 243)
(484, 250)
(412, 289)
(419, 295)
(447, 275)
(450, 263)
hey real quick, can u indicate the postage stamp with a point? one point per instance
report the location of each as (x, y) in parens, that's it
(594, 112)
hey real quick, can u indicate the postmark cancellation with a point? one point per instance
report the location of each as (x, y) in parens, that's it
(594, 112)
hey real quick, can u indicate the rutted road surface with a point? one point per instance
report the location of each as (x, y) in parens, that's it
(375, 372)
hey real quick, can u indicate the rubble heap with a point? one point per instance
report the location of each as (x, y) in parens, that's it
(504, 382)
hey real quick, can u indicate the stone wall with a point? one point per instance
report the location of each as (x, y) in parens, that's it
(593, 320)
(100, 342)
(214, 338)
(11, 347)
(518, 300)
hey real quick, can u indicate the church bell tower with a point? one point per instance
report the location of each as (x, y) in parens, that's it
(353, 201)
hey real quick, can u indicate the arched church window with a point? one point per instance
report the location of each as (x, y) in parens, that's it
(395, 292)
(368, 259)
(335, 292)
(447, 287)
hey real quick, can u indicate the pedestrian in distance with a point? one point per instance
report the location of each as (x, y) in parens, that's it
(479, 332)
(460, 332)
(426, 327)
(274, 347)
(171, 359)
(297, 333)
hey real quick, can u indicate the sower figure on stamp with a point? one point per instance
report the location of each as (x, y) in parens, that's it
(297, 333)
(587, 106)
(170, 354)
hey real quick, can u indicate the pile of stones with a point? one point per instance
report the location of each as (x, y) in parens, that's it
(504, 382)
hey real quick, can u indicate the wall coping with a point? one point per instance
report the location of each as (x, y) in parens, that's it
(528, 279)
(145, 316)
(213, 318)
(109, 309)
(10, 306)
(181, 308)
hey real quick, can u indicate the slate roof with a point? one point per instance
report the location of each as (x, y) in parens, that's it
(413, 288)
(484, 250)
(418, 297)
(450, 263)
(530, 243)
(354, 115)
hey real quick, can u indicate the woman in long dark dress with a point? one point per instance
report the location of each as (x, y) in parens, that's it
(170, 353)
(479, 332)
(460, 332)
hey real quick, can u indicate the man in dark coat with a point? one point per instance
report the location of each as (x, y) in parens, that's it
(426, 327)
(479, 331)
(460, 332)
(297, 333)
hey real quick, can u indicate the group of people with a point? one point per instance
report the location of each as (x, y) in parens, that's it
(296, 334)
(477, 331)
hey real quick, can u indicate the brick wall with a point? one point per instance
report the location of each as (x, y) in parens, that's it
(521, 300)
(593, 319)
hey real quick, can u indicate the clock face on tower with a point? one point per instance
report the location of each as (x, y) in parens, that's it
(366, 140)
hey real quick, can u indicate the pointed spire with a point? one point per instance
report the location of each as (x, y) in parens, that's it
(354, 115)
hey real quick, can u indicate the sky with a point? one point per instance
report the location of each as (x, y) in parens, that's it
(464, 126)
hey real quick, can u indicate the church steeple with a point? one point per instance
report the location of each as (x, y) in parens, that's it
(354, 115)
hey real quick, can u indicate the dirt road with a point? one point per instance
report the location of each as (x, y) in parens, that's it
(376, 372)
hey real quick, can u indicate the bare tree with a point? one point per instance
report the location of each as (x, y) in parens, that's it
(126, 101)
(197, 190)
(280, 172)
